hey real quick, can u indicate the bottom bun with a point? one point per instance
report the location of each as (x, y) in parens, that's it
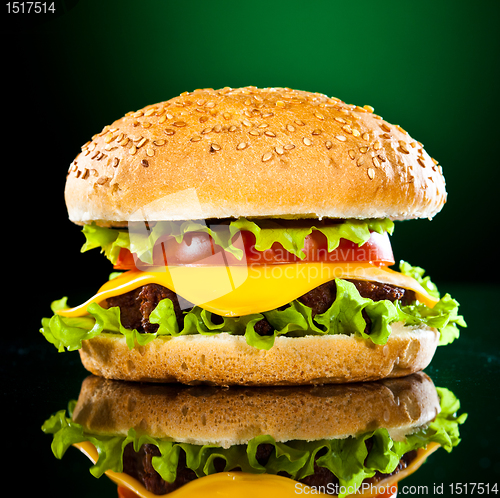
(225, 359)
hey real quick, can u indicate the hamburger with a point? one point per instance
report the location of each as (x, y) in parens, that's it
(249, 230)
(192, 440)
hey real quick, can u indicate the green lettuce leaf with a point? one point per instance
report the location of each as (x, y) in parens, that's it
(109, 240)
(266, 232)
(418, 274)
(343, 317)
(443, 316)
(348, 459)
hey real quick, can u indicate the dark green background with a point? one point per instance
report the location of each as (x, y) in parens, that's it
(431, 66)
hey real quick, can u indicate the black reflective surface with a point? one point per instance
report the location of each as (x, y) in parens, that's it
(37, 381)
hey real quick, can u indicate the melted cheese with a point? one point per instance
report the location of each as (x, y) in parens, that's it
(243, 485)
(242, 290)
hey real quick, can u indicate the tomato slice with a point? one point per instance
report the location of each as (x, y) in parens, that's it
(198, 249)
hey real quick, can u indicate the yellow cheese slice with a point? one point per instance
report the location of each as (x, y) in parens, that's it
(241, 290)
(243, 485)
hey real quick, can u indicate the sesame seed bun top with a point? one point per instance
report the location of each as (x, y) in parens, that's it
(252, 152)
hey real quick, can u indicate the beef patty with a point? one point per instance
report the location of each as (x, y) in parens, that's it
(136, 305)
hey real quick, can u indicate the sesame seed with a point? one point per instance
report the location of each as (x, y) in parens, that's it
(204, 119)
(268, 115)
(341, 138)
(169, 116)
(85, 174)
(232, 128)
(159, 142)
(214, 147)
(180, 124)
(365, 136)
(360, 161)
(340, 120)
(226, 115)
(150, 152)
(328, 144)
(402, 148)
(369, 108)
(289, 127)
(206, 130)
(299, 122)
(145, 163)
(385, 127)
(102, 180)
(317, 132)
(255, 133)
(376, 162)
(197, 138)
(246, 122)
(319, 116)
(307, 141)
(109, 138)
(169, 131)
(116, 162)
(356, 133)
(377, 145)
(269, 134)
(363, 150)
(279, 150)
(141, 142)
(347, 128)
(132, 150)
(371, 173)
(241, 146)
(146, 124)
(289, 147)
(162, 119)
(279, 103)
(267, 156)
(352, 154)
(421, 161)
(210, 105)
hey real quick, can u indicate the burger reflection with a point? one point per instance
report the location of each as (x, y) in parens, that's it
(338, 439)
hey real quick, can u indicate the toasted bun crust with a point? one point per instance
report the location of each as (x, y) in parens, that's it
(225, 359)
(251, 152)
(227, 416)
